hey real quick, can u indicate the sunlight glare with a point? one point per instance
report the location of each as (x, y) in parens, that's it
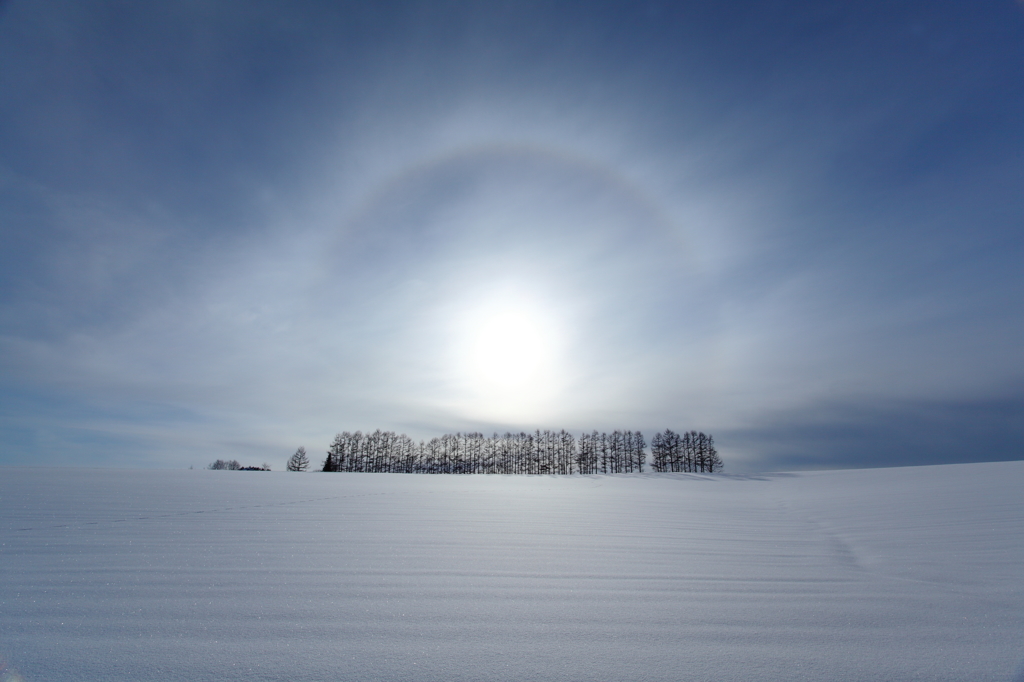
(508, 351)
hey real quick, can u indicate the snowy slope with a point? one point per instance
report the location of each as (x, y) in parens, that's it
(884, 574)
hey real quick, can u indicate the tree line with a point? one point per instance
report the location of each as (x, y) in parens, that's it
(691, 452)
(233, 465)
(540, 452)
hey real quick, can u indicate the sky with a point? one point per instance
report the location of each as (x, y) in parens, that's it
(233, 228)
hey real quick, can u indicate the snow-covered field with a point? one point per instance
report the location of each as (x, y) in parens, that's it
(884, 574)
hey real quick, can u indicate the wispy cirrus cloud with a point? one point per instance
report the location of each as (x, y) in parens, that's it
(229, 232)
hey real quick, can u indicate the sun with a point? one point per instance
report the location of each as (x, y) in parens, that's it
(508, 353)
(508, 349)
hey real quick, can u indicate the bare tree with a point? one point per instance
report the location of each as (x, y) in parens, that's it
(299, 461)
(335, 454)
(638, 448)
(714, 462)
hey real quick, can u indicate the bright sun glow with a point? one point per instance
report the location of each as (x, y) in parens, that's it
(508, 349)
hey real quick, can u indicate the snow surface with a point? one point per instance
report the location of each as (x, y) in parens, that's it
(883, 574)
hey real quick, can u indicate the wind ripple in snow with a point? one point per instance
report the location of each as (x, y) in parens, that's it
(165, 575)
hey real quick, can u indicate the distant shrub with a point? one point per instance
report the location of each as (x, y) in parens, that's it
(233, 465)
(229, 465)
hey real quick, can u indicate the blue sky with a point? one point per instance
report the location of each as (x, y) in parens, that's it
(233, 228)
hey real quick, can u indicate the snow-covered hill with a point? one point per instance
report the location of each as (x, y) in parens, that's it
(882, 574)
